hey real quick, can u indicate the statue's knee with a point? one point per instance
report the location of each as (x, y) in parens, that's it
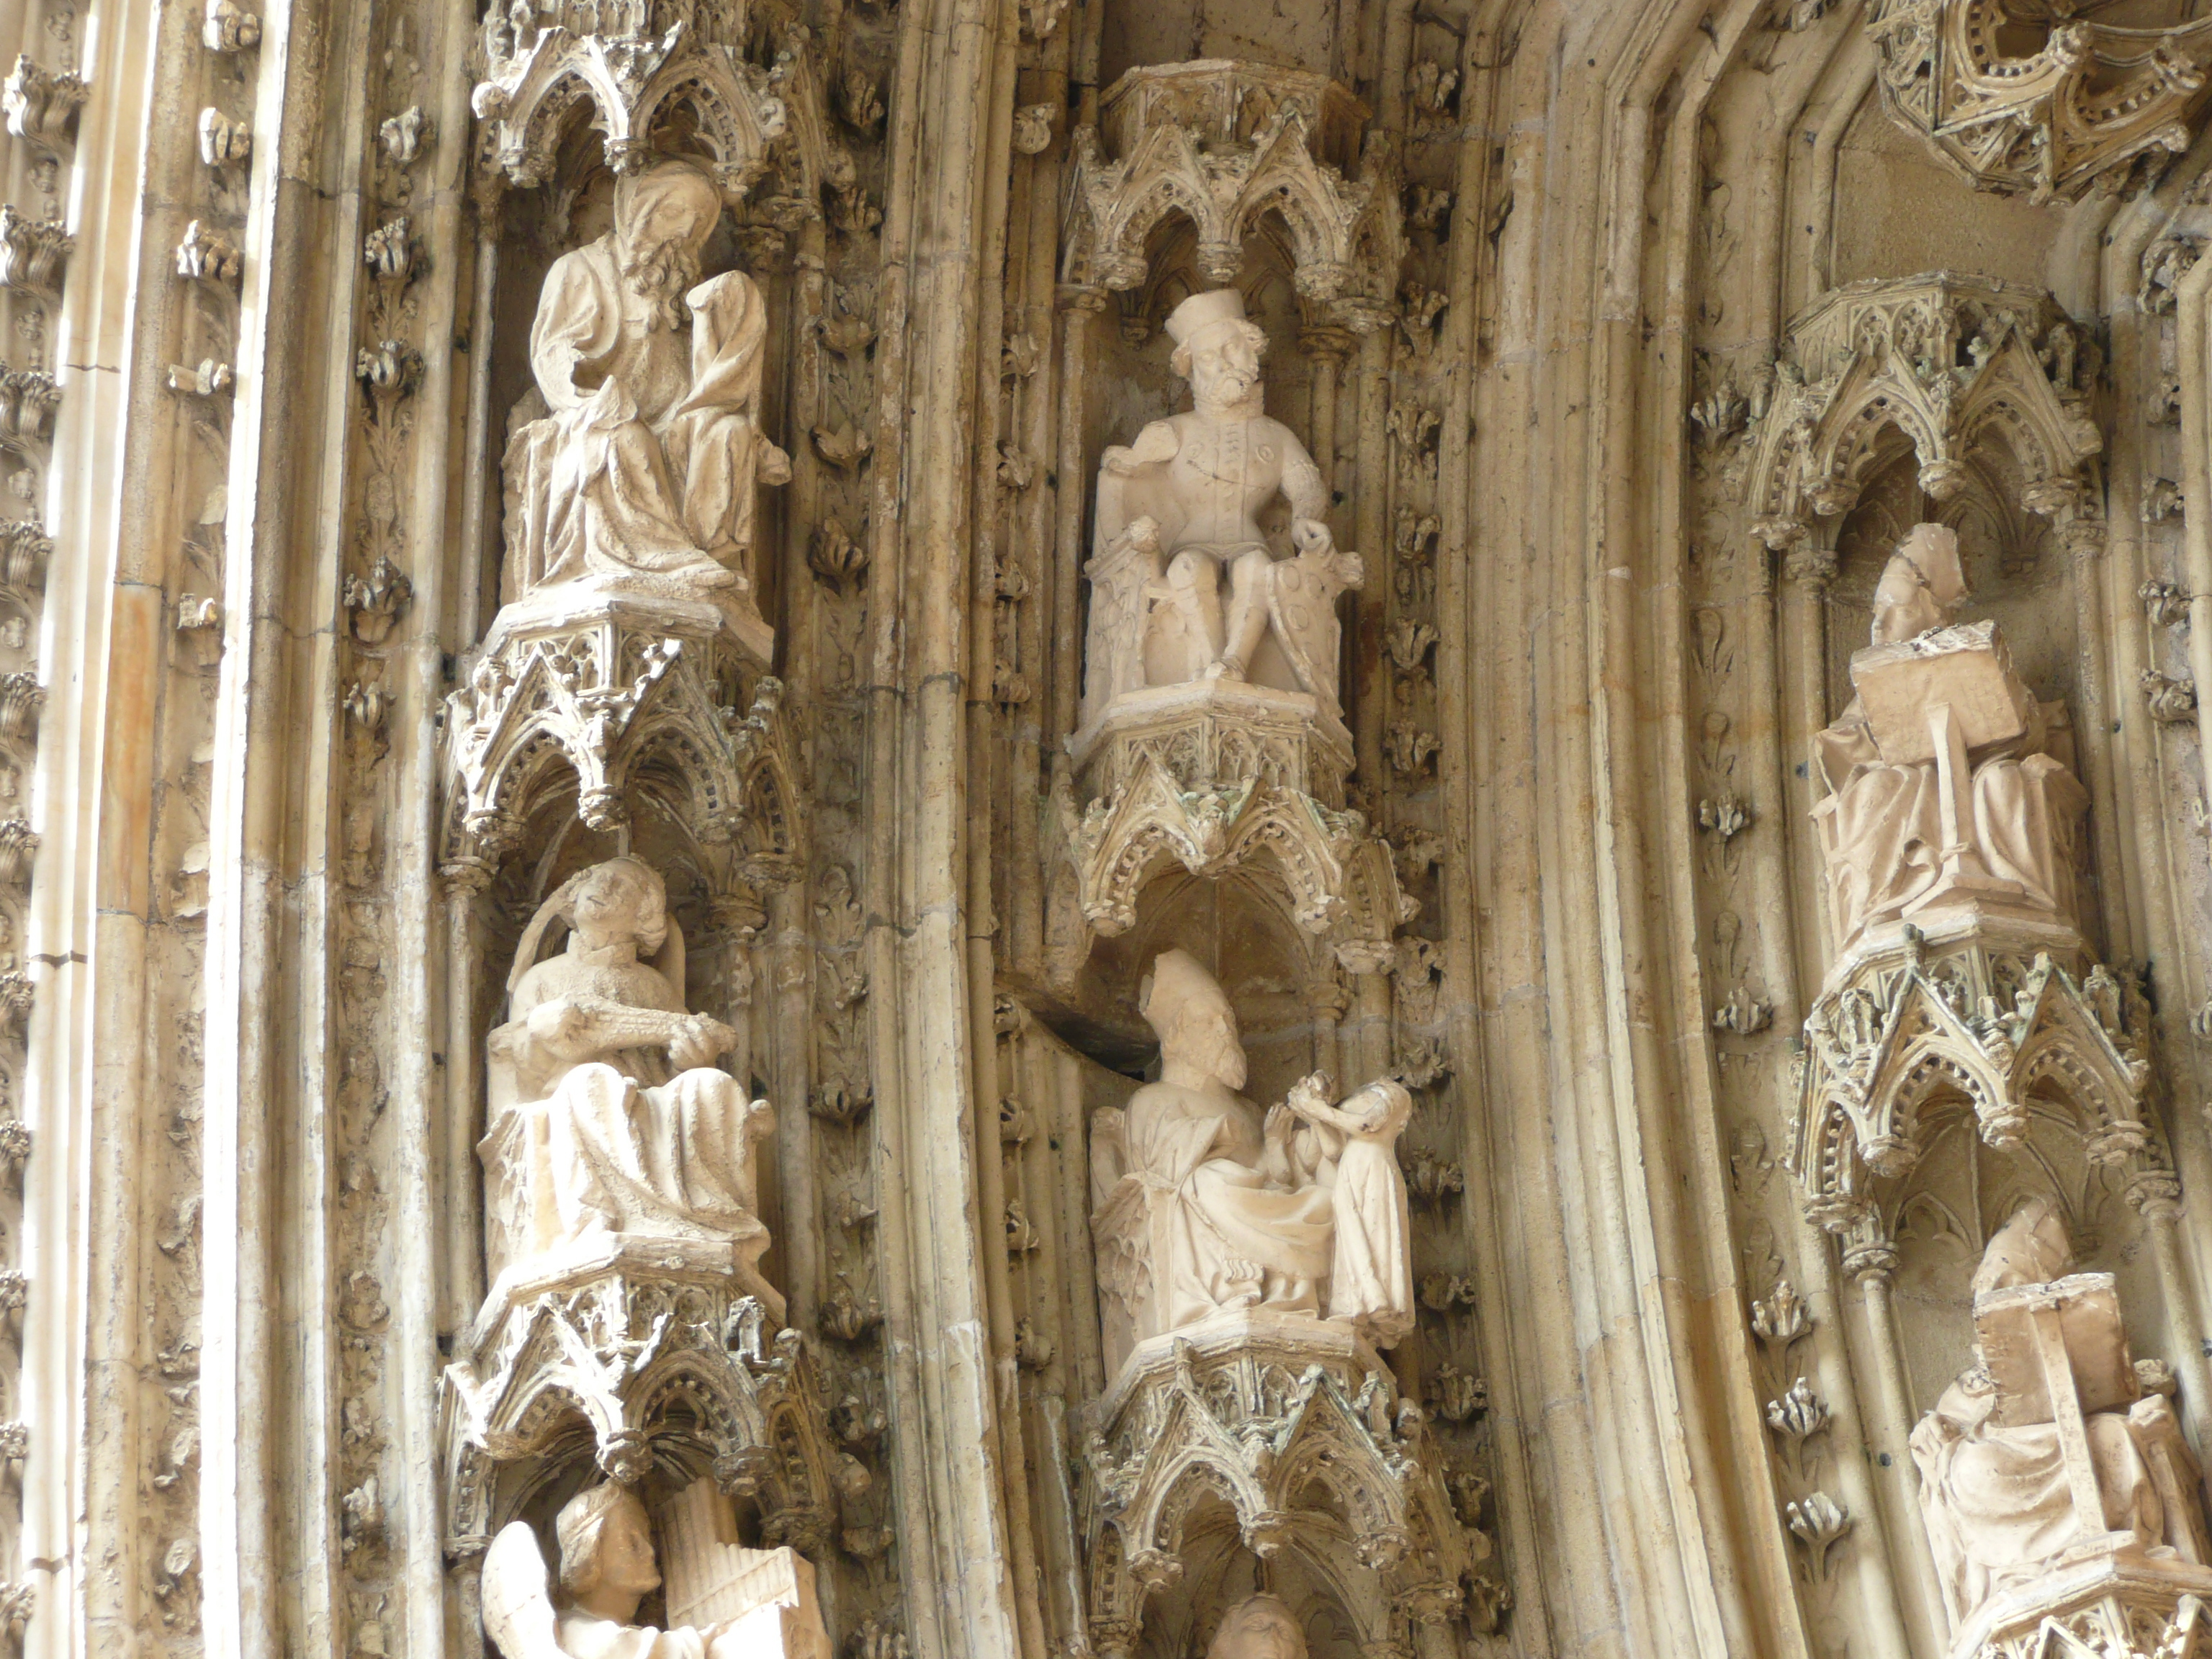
(1251, 566)
(1189, 569)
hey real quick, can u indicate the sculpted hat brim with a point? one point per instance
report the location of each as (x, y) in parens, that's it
(1204, 312)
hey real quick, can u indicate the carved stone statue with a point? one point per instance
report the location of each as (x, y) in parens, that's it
(608, 1118)
(1370, 1276)
(1942, 786)
(1204, 1207)
(608, 1566)
(2047, 1444)
(1258, 1628)
(640, 477)
(1185, 586)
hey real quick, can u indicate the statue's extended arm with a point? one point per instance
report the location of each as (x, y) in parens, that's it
(1302, 483)
(563, 1031)
(1156, 445)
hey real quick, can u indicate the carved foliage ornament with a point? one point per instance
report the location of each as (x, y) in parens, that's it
(2080, 112)
(630, 61)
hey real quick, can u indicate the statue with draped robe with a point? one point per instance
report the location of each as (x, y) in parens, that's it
(608, 1119)
(640, 476)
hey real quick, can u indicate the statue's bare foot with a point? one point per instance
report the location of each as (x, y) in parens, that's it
(1224, 668)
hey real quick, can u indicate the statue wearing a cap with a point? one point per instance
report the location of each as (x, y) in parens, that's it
(1186, 586)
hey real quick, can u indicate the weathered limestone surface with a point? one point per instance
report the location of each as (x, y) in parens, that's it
(717, 718)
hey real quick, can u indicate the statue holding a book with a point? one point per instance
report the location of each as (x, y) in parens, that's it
(2055, 1445)
(1943, 788)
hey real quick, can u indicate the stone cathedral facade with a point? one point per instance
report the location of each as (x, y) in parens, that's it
(1105, 829)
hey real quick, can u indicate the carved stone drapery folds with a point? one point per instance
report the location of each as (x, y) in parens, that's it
(2079, 111)
(1230, 1425)
(2056, 1484)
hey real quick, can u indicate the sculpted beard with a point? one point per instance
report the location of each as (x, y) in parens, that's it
(663, 274)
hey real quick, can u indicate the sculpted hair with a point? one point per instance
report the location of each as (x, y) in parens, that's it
(653, 923)
(1251, 1617)
(583, 1519)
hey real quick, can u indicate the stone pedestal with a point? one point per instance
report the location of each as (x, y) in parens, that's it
(2115, 1604)
(655, 1356)
(1991, 1007)
(596, 690)
(1256, 1410)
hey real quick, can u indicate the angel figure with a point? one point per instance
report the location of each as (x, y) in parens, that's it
(609, 1117)
(1371, 1281)
(607, 1567)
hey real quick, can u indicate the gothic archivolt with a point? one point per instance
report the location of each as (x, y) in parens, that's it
(1078, 828)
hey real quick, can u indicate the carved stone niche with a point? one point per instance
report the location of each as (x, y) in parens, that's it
(612, 696)
(1950, 362)
(1226, 144)
(2082, 111)
(655, 1379)
(2013, 1032)
(1211, 731)
(630, 61)
(1287, 1439)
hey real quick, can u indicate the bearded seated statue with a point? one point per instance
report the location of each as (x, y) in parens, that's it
(639, 475)
(609, 1119)
(1204, 1207)
(1882, 824)
(1185, 586)
(2000, 1504)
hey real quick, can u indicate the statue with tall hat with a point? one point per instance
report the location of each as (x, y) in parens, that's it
(639, 477)
(1188, 586)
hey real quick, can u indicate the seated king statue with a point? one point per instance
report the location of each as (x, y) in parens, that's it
(639, 478)
(1185, 584)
